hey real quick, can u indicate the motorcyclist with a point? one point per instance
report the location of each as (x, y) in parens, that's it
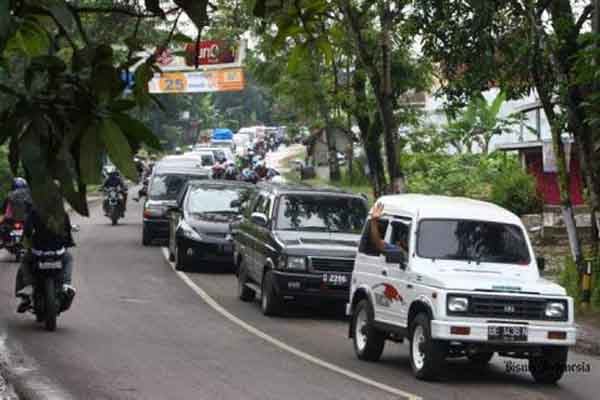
(114, 180)
(261, 170)
(231, 172)
(42, 240)
(218, 169)
(16, 206)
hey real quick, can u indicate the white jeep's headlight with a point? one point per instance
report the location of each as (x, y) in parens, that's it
(555, 309)
(296, 263)
(458, 304)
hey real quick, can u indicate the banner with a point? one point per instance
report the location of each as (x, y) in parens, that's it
(222, 80)
(207, 54)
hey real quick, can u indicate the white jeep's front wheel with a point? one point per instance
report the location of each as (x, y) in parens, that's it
(368, 341)
(426, 355)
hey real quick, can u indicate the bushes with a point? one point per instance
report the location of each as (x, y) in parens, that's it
(515, 190)
(570, 279)
(497, 178)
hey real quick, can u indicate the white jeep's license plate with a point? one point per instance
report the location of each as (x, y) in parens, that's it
(51, 265)
(335, 279)
(507, 333)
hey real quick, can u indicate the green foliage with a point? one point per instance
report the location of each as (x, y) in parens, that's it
(515, 190)
(5, 173)
(477, 124)
(62, 104)
(595, 299)
(570, 279)
(497, 178)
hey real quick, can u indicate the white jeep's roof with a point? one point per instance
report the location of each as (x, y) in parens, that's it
(430, 206)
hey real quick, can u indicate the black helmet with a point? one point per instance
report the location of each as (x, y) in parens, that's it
(19, 183)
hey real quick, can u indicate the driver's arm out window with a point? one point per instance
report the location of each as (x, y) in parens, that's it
(366, 244)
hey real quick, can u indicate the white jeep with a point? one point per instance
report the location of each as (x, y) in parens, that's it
(458, 278)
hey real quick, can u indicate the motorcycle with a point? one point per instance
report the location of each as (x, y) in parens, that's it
(218, 171)
(113, 204)
(13, 240)
(248, 175)
(49, 299)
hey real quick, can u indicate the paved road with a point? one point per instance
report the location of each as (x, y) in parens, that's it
(326, 336)
(137, 331)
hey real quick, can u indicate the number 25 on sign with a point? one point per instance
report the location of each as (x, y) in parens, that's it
(173, 83)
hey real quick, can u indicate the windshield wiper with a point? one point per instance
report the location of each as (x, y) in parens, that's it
(313, 228)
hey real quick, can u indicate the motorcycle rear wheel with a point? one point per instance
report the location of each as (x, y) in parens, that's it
(51, 304)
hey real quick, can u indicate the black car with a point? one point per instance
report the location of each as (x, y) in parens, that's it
(296, 243)
(165, 183)
(199, 230)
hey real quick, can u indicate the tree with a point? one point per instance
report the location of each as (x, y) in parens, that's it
(376, 41)
(522, 46)
(478, 123)
(63, 106)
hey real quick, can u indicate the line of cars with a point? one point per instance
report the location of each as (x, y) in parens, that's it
(456, 277)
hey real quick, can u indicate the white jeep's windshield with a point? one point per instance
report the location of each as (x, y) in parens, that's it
(479, 241)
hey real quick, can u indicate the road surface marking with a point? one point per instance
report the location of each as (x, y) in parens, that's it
(281, 345)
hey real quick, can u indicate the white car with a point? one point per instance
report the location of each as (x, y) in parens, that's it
(457, 278)
(218, 152)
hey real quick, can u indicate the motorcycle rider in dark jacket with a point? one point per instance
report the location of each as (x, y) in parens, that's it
(41, 240)
(114, 180)
(16, 205)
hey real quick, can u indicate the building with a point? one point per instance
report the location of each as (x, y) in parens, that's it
(537, 158)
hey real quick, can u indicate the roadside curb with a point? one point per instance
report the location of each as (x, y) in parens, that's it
(588, 342)
(23, 377)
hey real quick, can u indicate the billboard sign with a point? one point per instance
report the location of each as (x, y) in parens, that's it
(221, 80)
(206, 54)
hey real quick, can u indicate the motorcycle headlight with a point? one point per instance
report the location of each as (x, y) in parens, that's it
(296, 263)
(556, 310)
(458, 304)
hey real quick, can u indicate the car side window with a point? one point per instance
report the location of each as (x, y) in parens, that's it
(400, 235)
(366, 243)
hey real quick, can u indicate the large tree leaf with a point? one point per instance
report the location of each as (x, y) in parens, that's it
(137, 130)
(61, 13)
(90, 156)
(181, 38)
(5, 23)
(14, 154)
(46, 195)
(196, 10)
(143, 75)
(65, 172)
(154, 7)
(118, 147)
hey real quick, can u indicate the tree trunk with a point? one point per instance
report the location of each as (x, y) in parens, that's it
(385, 98)
(379, 78)
(564, 58)
(545, 85)
(369, 134)
(334, 166)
